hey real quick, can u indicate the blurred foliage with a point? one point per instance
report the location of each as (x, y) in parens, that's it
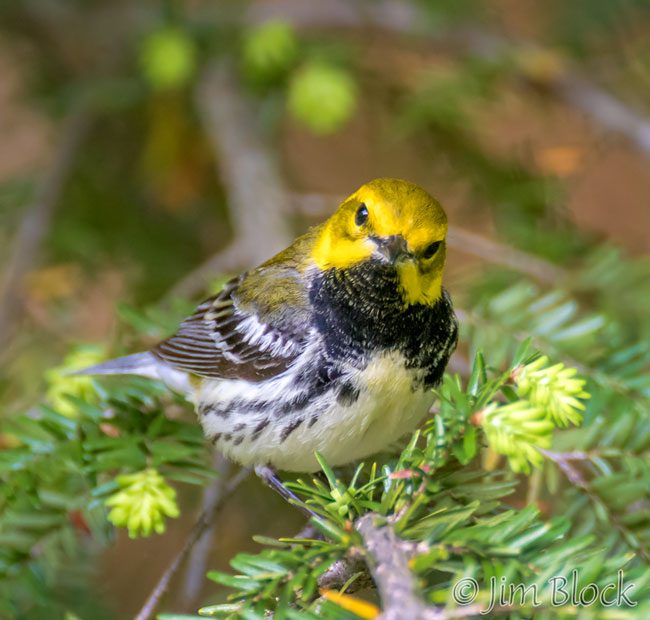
(168, 58)
(58, 473)
(63, 384)
(488, 487)
(269, 52)
(323, 97)
(142, 503)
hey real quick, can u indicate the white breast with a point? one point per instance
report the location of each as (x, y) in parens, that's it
(388, 406)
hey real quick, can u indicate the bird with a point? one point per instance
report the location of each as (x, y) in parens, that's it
(333, 346)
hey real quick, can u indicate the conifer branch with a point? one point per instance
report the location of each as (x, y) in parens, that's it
(565, 463)
(607, 380)
(341, 571)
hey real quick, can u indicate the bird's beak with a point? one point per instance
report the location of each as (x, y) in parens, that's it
(392, 248)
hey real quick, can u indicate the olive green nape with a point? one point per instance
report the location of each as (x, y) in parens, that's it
(277, 287)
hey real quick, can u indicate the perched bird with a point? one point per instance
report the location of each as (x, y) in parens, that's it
(332, 346)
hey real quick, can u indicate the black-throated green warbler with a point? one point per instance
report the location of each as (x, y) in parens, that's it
(331, 346)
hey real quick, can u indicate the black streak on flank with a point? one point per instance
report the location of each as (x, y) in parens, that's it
(259, 428)
(214, 410)
(348, 395)
(216, 438)
(287, 430)
(298, 403)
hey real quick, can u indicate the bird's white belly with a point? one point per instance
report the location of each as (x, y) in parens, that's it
(387, 407)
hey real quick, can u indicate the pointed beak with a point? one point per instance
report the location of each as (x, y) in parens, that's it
(393, 248)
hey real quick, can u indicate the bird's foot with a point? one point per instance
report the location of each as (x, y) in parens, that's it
(270, 478)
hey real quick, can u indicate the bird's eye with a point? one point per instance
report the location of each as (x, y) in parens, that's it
(431, 249)
(362, 215)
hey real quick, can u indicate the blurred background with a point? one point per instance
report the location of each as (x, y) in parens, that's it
(149, 148)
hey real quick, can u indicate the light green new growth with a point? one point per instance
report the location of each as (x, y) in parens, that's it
(548, 398)
(555, 389)
(142, 504)
(62, 384)
(517, 430)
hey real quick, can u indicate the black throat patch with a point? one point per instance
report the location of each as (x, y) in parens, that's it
(359, 311)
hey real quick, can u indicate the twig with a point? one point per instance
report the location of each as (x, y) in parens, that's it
(36, 222)
(606, 109)
(199, 528)
(388, 563)
(564, 462)
(500, 254)
(197, 562)
(255, 189)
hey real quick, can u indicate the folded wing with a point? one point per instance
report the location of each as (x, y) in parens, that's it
(237, 335)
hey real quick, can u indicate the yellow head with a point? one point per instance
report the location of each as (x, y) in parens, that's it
(395, 222)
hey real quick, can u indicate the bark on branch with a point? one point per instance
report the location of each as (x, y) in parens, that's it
(387, 559)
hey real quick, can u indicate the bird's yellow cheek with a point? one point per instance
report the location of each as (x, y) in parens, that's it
(341, 254)
(418, 287)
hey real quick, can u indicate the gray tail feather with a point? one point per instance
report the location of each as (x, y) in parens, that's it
(144, 364)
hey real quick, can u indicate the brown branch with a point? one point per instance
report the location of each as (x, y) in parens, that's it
(38, 217)
(388, 557)
(500, 254)
(341, 571)
(205, 520)
(388, 563)
(255, 189)
(198, 560)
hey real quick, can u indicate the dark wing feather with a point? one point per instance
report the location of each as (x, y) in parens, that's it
(229, 337)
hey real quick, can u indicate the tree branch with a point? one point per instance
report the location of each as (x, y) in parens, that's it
(388, 563)
(256, 191)
(205, 520)
(340, 573)
(198, 560)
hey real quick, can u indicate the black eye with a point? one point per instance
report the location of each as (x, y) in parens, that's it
(362, 215)
(431, 249)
